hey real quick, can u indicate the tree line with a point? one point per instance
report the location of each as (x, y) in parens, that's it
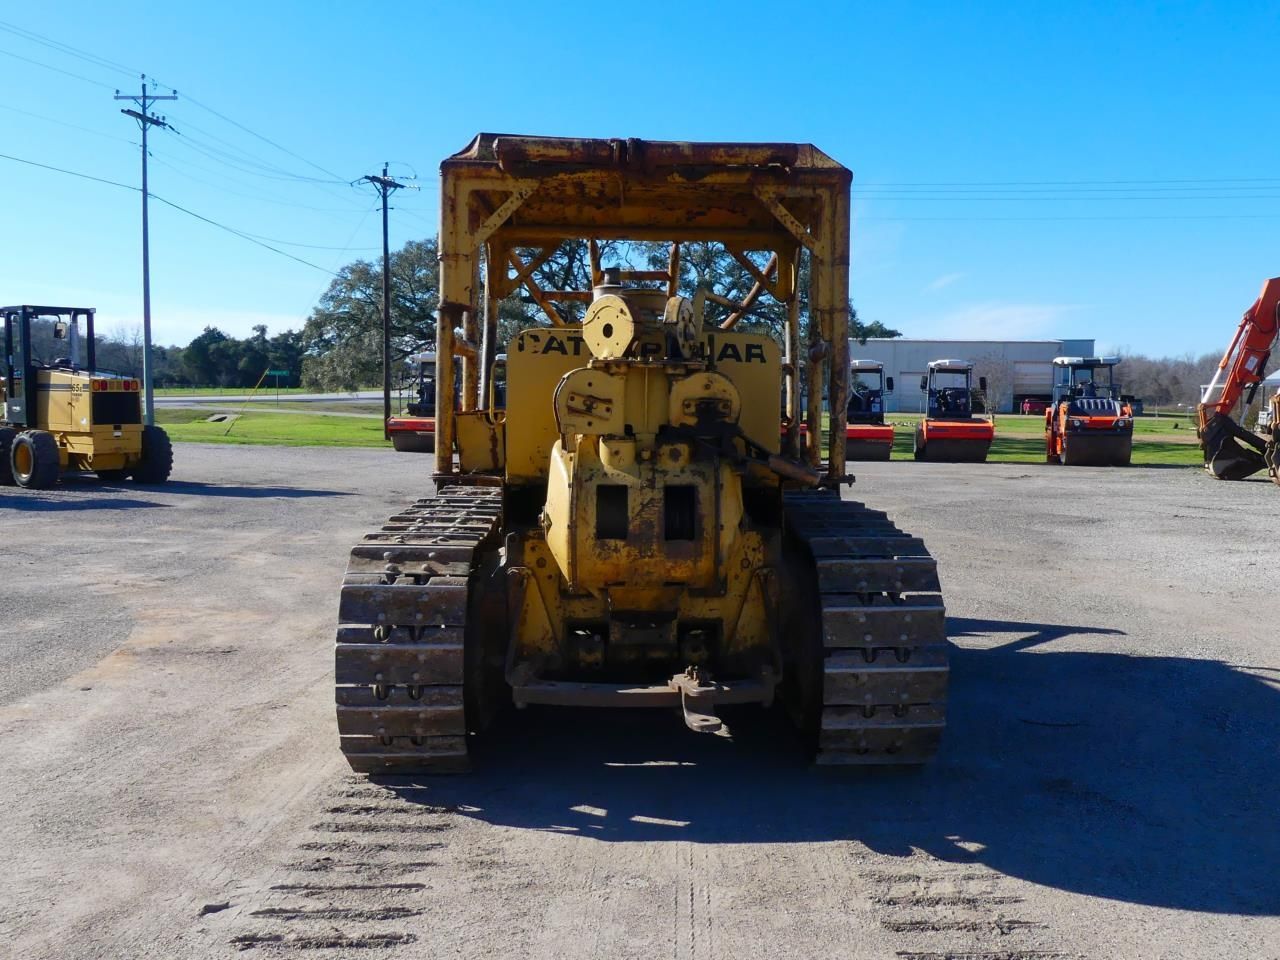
(339, 346)
(1166, 381)
(342, 338)
(211, 359)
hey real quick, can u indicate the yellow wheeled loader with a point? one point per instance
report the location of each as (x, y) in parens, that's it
(60, 413)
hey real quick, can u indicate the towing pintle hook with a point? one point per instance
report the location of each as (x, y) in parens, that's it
(697, 702)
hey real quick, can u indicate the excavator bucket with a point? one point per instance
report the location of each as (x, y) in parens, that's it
(1230, 451)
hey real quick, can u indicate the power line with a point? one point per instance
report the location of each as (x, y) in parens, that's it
(1064, 199)
(385, 185)
(265, 140)
(256, 197)
(73, 126)
(146, 120)
(246, 162)
(66, 48)
(242, 235)
(259, 170)
(319, 293)
(72, 173)
(169, 203)
(1045, 219)
(307, 246)
(37, 63)
(417, 216)
(107, 64)
(1193, 190)
(1046, 183)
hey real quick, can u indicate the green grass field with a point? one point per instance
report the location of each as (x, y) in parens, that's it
(265, 390)
(1007, 448)
(1164, 442)
(367, 408)
(280, 429)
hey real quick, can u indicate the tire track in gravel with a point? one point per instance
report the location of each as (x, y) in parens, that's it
(956, 911)
(357, 880)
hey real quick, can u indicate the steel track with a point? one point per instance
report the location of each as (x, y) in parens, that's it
(884, 642)
(402, 617)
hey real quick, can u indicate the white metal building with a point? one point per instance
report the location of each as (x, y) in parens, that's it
(1015, 369)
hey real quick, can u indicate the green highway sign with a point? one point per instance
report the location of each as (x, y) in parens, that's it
(277, 373)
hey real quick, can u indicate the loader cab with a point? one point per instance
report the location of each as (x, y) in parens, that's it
(868, 387)
(61, 413)
(40, 338)
(1089, 422)
(421, 372)
(950, 431)
(1085, 378)
(949, 387)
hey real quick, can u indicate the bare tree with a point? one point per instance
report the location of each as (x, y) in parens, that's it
(998, 370)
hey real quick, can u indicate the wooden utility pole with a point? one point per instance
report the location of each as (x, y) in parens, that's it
(146, 120)
(385, 186)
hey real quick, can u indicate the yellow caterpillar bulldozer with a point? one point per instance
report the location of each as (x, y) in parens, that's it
(60, 413)
(631, 530)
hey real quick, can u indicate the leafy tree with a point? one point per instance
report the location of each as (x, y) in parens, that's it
(284, 352)
(198, 359)
(341, 341)
(710, 266)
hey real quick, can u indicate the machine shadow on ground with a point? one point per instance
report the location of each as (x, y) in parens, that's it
(36, 503)
(192, 488)
(1151, 780)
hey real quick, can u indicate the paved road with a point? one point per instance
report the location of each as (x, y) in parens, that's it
(266, 395)
(221, 407)
(1108, 787)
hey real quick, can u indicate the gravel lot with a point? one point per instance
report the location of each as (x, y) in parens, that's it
(172, 786)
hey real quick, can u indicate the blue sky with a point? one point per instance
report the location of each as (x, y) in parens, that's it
(1021, 170)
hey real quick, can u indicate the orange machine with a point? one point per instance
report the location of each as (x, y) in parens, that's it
(1232, 452)
(1087, 424)
(951, 431)
(867, 436)
(414, 431)
(412, 434)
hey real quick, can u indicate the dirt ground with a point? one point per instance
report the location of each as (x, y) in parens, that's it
(171, 784)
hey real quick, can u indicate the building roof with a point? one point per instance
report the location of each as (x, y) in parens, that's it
(963, 340)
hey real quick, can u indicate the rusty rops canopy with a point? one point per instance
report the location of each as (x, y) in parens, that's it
(514, 194)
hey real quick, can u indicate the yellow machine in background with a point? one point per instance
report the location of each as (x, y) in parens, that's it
(60, 414)
(631, 530)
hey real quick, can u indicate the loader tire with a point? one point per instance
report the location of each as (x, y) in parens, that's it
(409, 677)
(7, 435)
(157, 456)
(869, 654)
(33, 459)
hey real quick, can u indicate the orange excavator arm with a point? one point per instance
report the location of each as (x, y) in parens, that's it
(1242, 368)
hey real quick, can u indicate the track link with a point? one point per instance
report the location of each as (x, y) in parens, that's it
(402, 617)
(884, 641)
